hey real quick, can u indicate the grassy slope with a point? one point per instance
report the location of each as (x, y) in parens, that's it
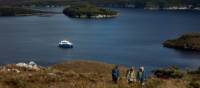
(77, 74)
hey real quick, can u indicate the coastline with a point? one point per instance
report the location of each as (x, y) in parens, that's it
(173, 9)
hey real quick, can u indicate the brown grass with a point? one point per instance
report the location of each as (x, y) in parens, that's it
(77, 74)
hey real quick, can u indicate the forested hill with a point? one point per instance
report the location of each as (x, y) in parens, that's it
(113, 3)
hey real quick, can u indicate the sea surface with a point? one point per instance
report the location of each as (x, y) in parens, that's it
(133, 39)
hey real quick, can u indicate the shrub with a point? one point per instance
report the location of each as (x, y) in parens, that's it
(171, 72)
(194, 84)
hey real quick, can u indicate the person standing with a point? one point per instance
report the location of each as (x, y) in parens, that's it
(141, 75)
(115, 74)
(130, 75)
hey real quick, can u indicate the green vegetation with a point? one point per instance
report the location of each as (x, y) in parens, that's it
(88, 11)
(190, 41)
(17, 11)
(166, 73)
(89, 74)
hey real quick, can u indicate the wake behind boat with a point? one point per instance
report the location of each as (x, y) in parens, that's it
(65, 44)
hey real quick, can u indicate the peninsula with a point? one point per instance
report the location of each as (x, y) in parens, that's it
(189, 41)
(19, 11)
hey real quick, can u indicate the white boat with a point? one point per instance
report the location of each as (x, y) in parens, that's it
(65, 44)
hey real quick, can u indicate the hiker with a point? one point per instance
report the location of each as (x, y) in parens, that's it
(130, 75)
(115, 74)
(141, 76)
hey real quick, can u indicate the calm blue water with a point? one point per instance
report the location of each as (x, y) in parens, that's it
(134, 38)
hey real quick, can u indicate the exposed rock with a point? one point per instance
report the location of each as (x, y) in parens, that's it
(31, 65)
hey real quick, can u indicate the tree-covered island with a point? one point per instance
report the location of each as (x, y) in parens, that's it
(190, 41)
(89, 11)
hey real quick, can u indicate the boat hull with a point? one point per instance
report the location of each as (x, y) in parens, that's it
(65, 46)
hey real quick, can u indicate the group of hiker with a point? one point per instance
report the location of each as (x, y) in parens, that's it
(132, 75)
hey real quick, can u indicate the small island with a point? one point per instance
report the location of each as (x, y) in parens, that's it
(190, 41)
(89, 11)
(19, 11)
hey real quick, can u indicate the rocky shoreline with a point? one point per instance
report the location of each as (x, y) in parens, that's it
(174, 8)
(99, 16)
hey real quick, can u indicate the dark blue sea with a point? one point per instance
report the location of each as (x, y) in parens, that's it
(133, 39)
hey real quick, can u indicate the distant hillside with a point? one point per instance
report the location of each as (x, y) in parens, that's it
(18, 11)
(111, 3)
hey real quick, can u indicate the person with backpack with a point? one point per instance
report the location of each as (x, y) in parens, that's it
(131, 75)
(115, 74)
(141, 75)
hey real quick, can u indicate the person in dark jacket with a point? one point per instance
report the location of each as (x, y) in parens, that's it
(115, 74)
(141, 76)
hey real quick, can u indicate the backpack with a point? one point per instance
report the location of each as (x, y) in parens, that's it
(115, 73)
